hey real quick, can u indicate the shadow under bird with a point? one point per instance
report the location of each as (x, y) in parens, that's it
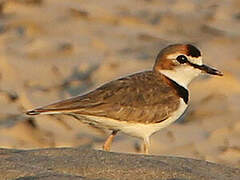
(142, 103)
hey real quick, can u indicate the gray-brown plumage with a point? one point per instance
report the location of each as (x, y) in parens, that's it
(141, 97)
(142, 103)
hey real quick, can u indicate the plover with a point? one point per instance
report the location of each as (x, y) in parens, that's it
(142, 103)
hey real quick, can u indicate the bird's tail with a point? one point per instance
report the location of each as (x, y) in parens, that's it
(64, 106)
(39, 111)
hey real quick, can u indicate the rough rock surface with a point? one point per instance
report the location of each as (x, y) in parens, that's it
(85, 163)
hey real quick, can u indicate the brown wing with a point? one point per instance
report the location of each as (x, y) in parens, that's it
(141, 97)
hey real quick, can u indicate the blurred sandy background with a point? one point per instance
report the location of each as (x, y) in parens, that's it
(54, 49)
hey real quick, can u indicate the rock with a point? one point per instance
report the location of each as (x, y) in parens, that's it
(85, 163)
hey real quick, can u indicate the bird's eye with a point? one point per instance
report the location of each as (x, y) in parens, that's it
(182, 59)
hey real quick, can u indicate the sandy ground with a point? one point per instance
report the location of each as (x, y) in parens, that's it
(54, 49)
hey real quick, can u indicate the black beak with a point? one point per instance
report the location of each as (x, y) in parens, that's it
(210, 70)
(207, 69)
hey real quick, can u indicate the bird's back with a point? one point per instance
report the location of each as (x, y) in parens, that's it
(144, 97)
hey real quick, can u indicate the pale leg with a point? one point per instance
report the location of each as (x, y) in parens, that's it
(108, 142)
(146, 145)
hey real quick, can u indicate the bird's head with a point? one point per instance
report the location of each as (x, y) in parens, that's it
(182, 63)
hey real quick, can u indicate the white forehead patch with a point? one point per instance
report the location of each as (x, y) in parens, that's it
(194, 60)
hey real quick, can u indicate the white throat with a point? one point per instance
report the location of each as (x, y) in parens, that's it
(182, 75)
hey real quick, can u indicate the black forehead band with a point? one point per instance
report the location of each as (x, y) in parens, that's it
(193, 51)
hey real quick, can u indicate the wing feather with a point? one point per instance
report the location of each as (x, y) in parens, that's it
(141, 97)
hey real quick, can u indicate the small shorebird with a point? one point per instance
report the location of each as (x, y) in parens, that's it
(142, 103)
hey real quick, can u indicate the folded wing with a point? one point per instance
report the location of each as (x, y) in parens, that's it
(141, 97)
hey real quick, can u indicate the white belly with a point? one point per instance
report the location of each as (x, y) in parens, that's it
(134, 129)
